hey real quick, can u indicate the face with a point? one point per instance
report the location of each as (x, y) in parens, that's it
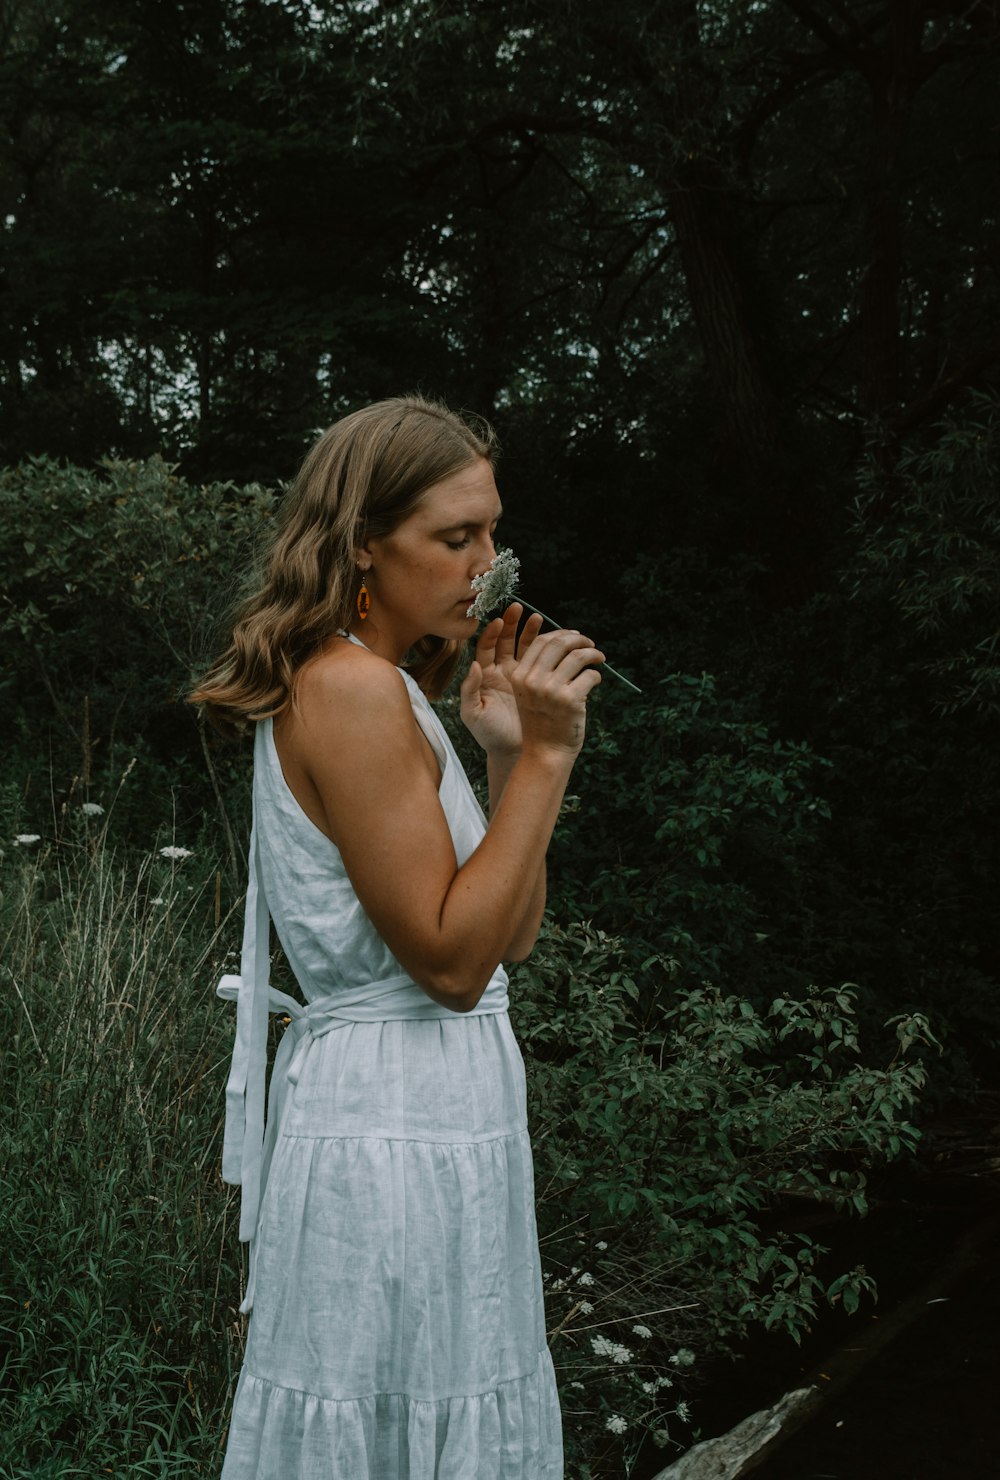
(421, 573)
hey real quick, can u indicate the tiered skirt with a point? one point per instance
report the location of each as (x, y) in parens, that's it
(398, 1327)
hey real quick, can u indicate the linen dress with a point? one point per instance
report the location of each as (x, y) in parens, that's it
(398, 1323)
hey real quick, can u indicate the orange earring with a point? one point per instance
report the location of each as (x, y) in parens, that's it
(364, 600)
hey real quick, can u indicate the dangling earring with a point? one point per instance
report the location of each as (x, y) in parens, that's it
(364, 600)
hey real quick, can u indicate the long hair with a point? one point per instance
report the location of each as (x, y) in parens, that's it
(361, 479)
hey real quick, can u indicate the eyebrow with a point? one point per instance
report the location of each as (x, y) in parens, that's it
(469, 524)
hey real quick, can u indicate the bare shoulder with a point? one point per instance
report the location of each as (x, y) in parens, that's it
(346, 680)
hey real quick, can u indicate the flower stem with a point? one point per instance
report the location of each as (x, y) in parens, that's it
(605, 667)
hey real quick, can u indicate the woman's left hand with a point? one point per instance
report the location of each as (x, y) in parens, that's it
(488, 707)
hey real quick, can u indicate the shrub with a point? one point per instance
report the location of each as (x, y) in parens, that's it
(673, 1131)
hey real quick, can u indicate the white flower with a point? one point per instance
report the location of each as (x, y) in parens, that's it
(600, 1245)
(602, 1347)
(616, 1424)
(173, 852)
(558, 1285)
(642, 1331)
(585, 1308)
(585, 1279)
(683, 1412)
(158, 900)
(91, 809)
(576, 1384)
(26, 839)
(682, 1358)
(496, 585)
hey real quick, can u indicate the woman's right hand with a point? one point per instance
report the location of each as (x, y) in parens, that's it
(552, 681)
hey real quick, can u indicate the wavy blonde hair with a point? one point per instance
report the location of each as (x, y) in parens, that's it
(361, 479)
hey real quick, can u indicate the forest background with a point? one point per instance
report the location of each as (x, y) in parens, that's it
(725, 277)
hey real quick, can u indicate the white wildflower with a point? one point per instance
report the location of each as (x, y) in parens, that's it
(575, 1269)
(642, 1331)
(26, 839)
(576, 1384)
(496, 585)
(91, 809)
(585, 1308)
(158, 900)
(683, 1412)
(585, 1279)
(600, 1245)
(616, 1424)
(602, 1347)
(682, 1358)
(558, 1285)
(172, 852)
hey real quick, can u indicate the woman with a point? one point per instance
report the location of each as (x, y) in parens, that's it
(398, 1324)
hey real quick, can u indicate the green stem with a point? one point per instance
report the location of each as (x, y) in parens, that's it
(605, 667)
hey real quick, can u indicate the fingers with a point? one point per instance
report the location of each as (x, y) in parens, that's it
(549, 650)
(489, 638)
(506, 643)
(529, 632)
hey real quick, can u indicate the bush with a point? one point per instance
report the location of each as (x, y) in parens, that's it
(673, 1129)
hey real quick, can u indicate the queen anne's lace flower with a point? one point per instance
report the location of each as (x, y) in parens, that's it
(600, 1245)
(495, 585)
(26, 839)
(91, 809)
(642, 1331)
(602, 1347)
(616, 1424)
(585, 1308)
(682, 1358)
(173, 852)
(585, 1279)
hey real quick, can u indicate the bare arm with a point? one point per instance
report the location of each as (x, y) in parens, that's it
(525, 933)
(357, 739)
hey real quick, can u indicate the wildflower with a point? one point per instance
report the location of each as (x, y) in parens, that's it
(642, 1331)
(558, 1285)
(158, 900)
(91, 809)
(602, 1347)
(682, 1358)
(616, 1424)
(576, 1384)
(585, 1308)
(585, 1279)
(683, 1412)
(496, 585)
(172, 852)
(26, 839)
(600, 1245)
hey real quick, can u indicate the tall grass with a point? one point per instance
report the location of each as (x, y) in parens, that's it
(119, 1337)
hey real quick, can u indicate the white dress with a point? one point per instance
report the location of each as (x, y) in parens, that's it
(398, 1323)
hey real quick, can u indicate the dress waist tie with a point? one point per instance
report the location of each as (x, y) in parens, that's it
(249, 1140)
